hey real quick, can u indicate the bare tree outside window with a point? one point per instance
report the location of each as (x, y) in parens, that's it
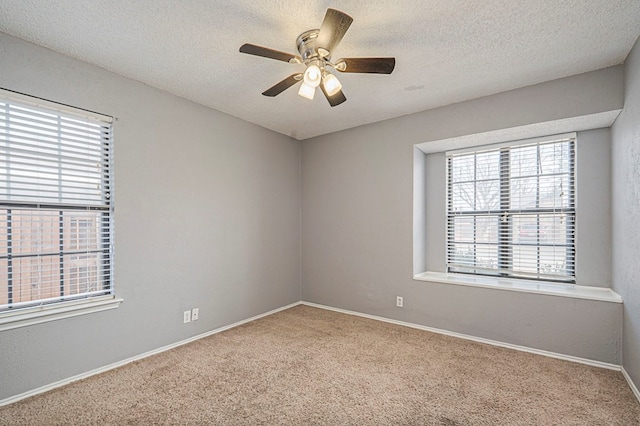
(511, 211)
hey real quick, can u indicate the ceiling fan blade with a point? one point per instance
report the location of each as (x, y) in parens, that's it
(366, 65)
(265, 52)
(280, 87)
(333, 28)
(334, 100)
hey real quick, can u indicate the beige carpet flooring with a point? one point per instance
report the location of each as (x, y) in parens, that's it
(308, 366)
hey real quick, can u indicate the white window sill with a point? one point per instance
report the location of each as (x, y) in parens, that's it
(527, 286)
(45, 313)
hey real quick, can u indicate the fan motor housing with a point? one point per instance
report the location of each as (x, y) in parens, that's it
(308, 48)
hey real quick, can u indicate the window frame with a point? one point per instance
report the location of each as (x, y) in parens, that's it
(506, 213)
(67, 305)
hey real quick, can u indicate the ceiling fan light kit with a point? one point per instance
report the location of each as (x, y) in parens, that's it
(307, 91)
(315, 48)
(331, 84)
(312, 76)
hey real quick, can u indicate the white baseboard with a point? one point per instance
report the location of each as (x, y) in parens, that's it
(99, 370)
(87, 374)
(475, 339)
(632, 385)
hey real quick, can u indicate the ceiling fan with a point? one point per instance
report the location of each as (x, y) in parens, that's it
(316, 47)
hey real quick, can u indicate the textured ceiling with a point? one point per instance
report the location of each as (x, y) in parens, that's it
(446, 51)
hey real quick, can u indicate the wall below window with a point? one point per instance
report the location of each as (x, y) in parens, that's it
(358, 221)
(207, 215)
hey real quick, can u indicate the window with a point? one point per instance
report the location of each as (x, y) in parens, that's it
(511, 211)
(55, 203)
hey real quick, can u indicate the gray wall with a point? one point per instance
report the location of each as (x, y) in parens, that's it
(626, 213)
(357, 224)
(207, 215)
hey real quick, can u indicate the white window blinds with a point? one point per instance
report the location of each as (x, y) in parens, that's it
(55, 203)
(511, 211)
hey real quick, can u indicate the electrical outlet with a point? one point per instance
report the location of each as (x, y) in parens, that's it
(399, 301)
(195, 313)
(186, 316)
